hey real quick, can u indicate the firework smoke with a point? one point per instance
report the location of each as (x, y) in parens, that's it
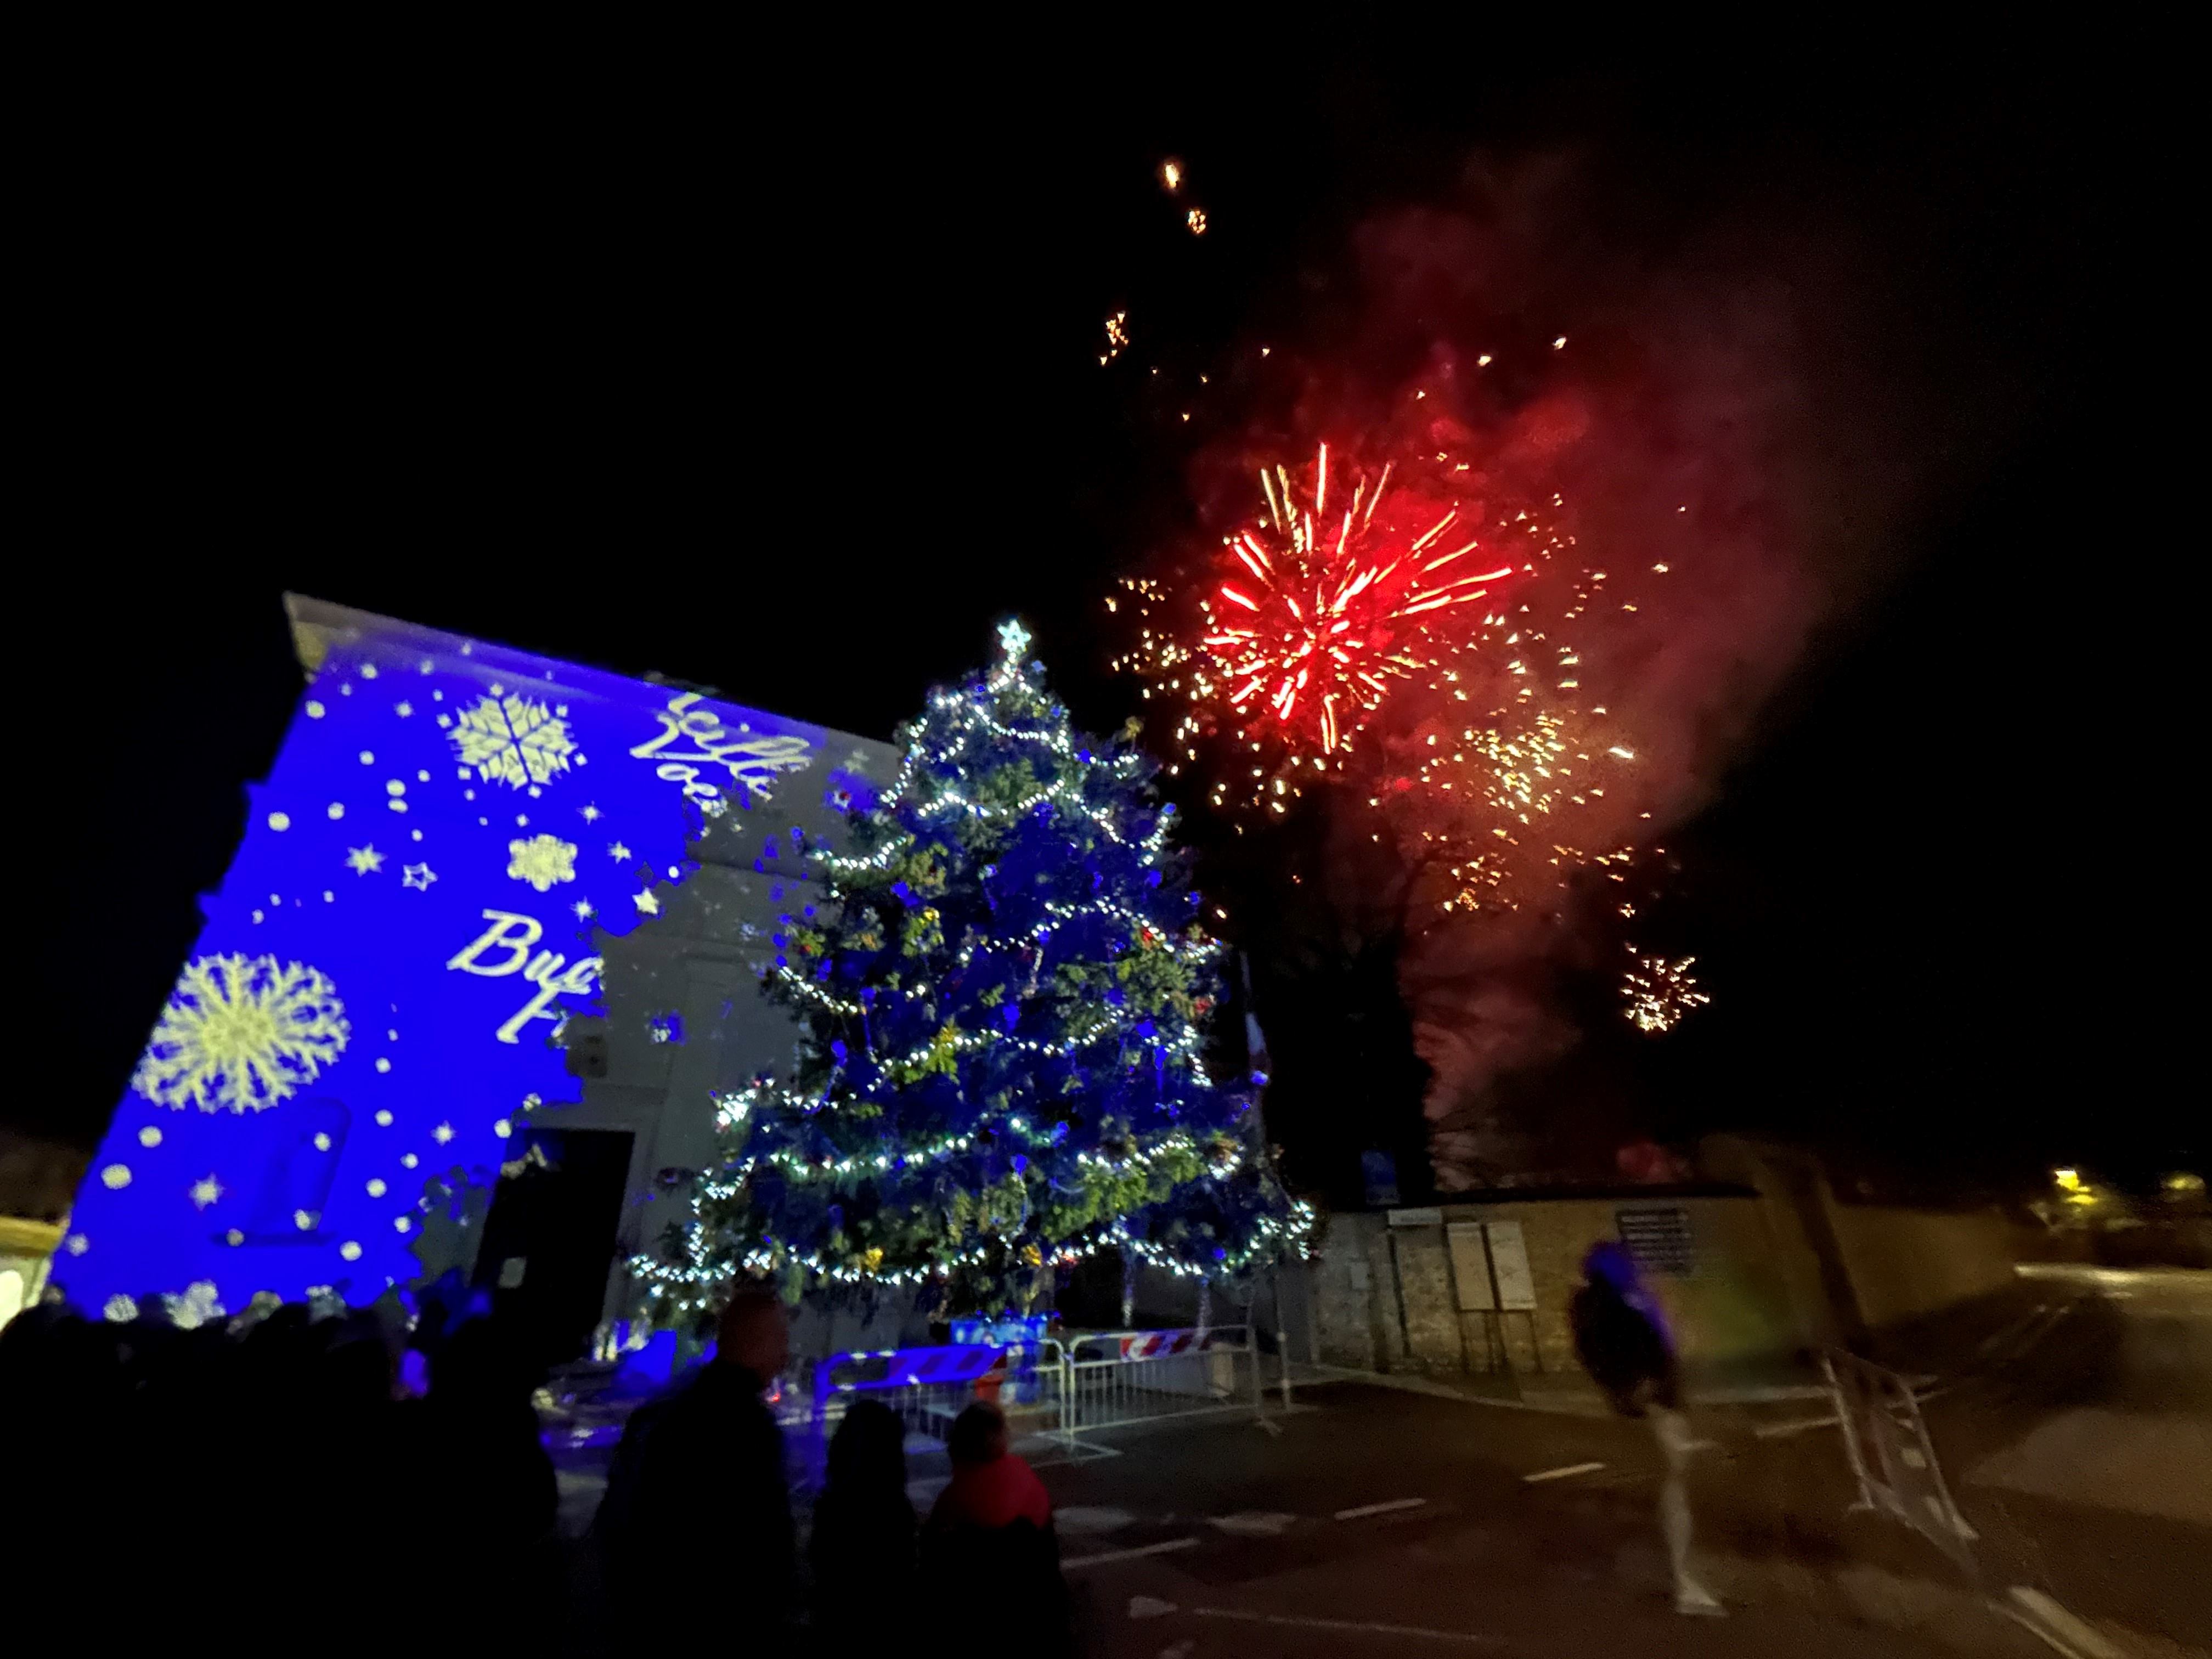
(1671, 422)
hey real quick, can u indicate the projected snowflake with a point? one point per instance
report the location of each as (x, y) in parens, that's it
(541, 860)
(511, 740)
(241, 1034)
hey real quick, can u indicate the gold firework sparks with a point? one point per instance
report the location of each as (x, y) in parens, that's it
(1660, 993)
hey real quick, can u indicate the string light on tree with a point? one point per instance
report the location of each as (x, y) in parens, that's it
(1003, 987)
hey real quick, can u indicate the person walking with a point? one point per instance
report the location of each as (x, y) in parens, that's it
(697, 1495)
(991, 1533)
(1623, 1341)
(862, 1550)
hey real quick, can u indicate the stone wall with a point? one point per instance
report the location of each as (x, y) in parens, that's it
(1753, 1279)
(1392, 1294)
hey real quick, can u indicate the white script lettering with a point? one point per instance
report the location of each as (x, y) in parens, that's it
(515, 934)
(751, 758)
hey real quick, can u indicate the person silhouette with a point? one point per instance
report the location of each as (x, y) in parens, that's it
(1622, 1338)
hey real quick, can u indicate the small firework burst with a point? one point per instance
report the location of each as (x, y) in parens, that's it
(1660, 993)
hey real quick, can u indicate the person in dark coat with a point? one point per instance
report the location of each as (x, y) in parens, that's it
(697, 1498)
(1622, 1338)
(862, 1551)
(483, 1528)
(991, 1537)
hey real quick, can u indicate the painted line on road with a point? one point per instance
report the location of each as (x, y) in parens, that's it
(1365, 1510)
(2059, 1629)
(1560, 1473)
(1796, 1425)
(1298, 1622)
(1102, 1559)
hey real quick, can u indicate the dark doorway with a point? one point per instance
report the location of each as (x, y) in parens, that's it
(550, 1236)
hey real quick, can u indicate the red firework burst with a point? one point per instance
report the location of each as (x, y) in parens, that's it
(1325, 612)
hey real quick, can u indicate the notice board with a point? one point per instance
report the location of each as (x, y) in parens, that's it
(1509, 1259)
(1470, 1261)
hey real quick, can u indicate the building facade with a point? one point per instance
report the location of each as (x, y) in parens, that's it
(490, 946)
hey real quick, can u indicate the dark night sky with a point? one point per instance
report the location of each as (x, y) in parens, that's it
(797, 403)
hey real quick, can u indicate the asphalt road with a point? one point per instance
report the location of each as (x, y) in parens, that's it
(1374, 1521)
(1378, 1520)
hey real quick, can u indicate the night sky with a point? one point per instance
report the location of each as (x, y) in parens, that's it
(797, 405)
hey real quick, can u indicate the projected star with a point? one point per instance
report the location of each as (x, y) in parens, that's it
(205, 1191)
(584, 911)
(361, 860)
(442, 1133)
(417, 876)
(404, 710)
(591, 814)
(617, 851)
(646, 904)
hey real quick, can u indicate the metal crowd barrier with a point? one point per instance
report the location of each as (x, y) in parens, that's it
(1887, 1440)
(1056, 1388)
(1116, 1377)
(926, 1388)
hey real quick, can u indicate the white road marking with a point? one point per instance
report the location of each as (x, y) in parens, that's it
(1380, 1509)
(1104, 1556)
(1796, 1425)
(1081, 1518)
(1560, 1473)
(1254, 1523)
(2058, 1628)
(1302, 1623)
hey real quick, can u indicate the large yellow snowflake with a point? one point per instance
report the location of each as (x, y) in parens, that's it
(511, 739)
(242, 1033)
(541, 860)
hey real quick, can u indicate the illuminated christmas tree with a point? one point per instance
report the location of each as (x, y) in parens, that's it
(1003, 990)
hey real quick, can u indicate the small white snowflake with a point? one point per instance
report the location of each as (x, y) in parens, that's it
(541, 860)
(617, 851)
(363, 860)
(590, 814)
(205, 1191)
(584, 911)
(442, 1133)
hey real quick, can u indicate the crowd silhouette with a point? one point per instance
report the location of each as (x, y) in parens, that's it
(312, 1478)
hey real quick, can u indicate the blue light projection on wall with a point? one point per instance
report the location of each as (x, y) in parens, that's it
(449, 830)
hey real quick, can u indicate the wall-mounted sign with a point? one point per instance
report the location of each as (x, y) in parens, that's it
(1378, 1173)
(1659, 1239)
